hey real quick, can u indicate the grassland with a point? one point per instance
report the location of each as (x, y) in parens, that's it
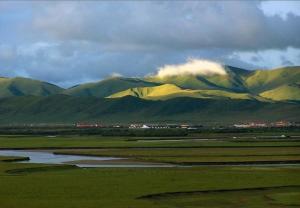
(39, 185)
(29, 142)
(197, 155)
(121, 188)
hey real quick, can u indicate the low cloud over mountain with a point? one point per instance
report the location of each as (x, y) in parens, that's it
(192, 67)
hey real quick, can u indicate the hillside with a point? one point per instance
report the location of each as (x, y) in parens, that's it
(232, 81)
(237, 96)
(23, 86)
(168, 91)
(280, 84)
(264, 85)
(107, 87)
(149, 92)
(70, 109)
(262, 80)
(283, 93)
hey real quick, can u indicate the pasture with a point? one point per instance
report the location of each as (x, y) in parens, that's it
(29, 185)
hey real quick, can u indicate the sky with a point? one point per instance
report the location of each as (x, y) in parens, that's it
(71, 42)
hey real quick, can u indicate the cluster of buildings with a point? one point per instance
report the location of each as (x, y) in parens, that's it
(163, 126)
(88, 125)
(278, 124)
(138, 126)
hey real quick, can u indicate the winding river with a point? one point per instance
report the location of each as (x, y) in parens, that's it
(89, 161)
(44, 157)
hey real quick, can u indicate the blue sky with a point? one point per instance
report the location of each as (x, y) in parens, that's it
(70, 42)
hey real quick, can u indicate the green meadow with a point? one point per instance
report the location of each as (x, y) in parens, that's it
(43, 186)
(196, 155)
(124, 187)
(85, 141)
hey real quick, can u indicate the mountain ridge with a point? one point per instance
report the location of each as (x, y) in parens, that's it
(240, 96)
(20, 86)
(237, 83)
(168, 91)
(106, 87)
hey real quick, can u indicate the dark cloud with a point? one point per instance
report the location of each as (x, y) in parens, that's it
(76, 41)
(169, 25)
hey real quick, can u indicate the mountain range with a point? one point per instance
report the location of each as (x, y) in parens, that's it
(239, 95)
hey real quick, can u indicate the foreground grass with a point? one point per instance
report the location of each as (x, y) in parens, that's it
(47, 186)
(253, 197)
(13, 159)
(121, 188)
(194, 155)
(286, 198)
(129, 142)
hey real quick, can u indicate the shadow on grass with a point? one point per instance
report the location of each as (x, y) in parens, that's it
(186, 193)
(41, 169)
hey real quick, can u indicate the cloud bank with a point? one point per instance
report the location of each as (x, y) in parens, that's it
(69, 42)
(171, 25)
(192, 67)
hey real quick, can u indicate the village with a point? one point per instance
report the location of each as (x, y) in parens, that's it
(278, 124)
(139, 126)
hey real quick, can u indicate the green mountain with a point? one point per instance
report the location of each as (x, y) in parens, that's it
(264, 85)
(168, 91)
(70, 109)
(283, 92)
(107, 87)
(262, 80)
(238, 96)
(232, 81)
(23, 86)
(149, 92)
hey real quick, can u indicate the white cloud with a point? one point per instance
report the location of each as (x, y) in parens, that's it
(269, 58)
(280, 8)
(115, 74)
(192, 67)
